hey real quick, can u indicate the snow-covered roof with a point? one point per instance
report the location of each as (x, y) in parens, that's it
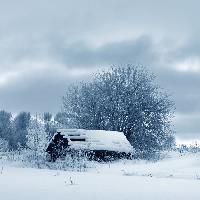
(97, 140)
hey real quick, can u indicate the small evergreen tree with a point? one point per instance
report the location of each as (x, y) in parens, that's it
(6, 128)
(21, 124)
(50, 127)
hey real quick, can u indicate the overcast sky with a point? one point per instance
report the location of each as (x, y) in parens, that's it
(45, 45)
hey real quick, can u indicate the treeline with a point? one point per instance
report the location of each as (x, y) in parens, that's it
(125, 99)
(27, 131)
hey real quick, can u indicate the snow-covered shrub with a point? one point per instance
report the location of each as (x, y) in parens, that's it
(73, 160)
(192, 148)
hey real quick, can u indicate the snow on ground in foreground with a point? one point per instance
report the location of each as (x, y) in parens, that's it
(174, 178)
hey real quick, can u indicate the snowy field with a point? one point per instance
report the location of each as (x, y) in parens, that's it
(174, 178)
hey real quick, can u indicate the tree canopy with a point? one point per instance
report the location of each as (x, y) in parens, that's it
(123, 99)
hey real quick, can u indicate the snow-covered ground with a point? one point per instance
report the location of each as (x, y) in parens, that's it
(174, 178)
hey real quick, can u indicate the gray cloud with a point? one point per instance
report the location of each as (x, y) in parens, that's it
(184, 87)
(37, 92)
(187, 126)
(35, 95)
(57, 56)
(100, 20)
(80, 54)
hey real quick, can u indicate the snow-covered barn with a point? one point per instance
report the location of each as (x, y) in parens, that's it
(98, 143)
